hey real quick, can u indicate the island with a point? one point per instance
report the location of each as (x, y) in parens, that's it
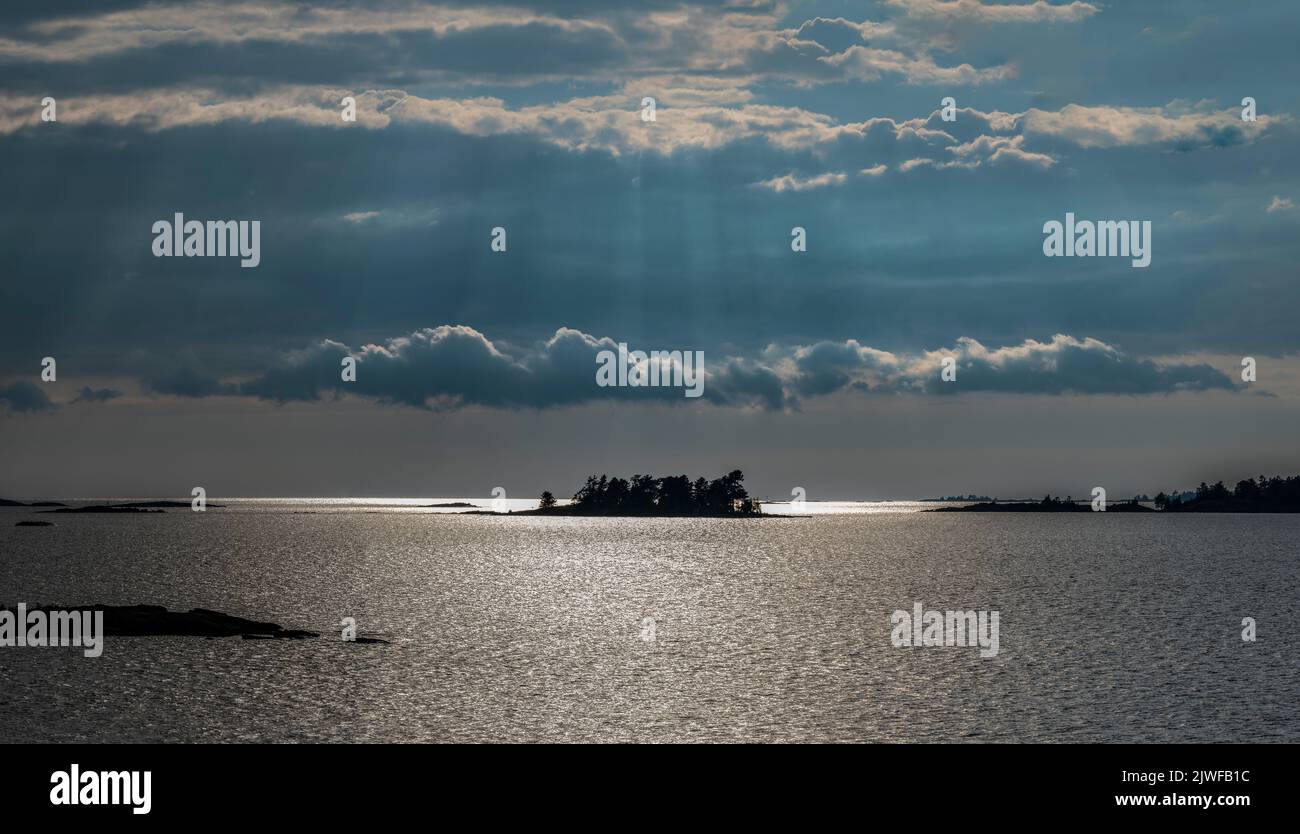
(6, 502)
(1049, 504)
(157, 621)
(1261, 495)
(102, 508)
(647, 495)
(185, 504)
(127, 507)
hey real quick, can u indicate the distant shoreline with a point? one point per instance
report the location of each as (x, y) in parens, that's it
(1039, 507)
(574, 511)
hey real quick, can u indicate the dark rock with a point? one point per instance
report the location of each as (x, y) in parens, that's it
(34, 524)
(103, 508)
(157, 621)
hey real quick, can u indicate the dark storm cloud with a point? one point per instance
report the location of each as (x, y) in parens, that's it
(1063, 365)
(96, 395)
(454, 366)
(401, 43)
(22, 396)
(680, 248)
(673, 233)
(505, 53)
(924, 242)
(186, 381)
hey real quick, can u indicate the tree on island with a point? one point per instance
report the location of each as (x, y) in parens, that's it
(1277, 495)
(670, 495)
(548, 500)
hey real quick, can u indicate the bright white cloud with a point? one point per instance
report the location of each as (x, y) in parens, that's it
(790, 182)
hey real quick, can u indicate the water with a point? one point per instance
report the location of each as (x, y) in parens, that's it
(1113, 628)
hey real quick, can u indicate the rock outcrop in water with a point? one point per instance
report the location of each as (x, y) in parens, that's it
(124, 507)
(34, 524)
(103, 508)
(157, 621)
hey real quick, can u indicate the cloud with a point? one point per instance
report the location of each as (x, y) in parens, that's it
(790, 182)
(78, 38)
(360, 216)
(610, 123)
(252, 46)
(1280, 204)
(96, 395)
(867, 64)
(186, 381)
(25, 397)
(1035, 12)
(1064, 365)
(1175, 125)
(1000, 149)
(454, 366)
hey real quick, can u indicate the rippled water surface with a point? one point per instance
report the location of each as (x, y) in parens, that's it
(1113, 628)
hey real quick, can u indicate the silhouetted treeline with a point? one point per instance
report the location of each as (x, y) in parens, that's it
(1262, 495)
(671, 495)
(1049, 504)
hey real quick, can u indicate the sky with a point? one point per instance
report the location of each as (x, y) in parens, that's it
(476, 368)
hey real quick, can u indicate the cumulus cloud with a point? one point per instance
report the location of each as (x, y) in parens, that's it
(186, 381)
(454, 366)
(686, 120)
(80, 37)
(608, 123)
(868, 64)
(1280, 204)
(96, 395)
(1064, 365)
(790, 182)
(690, 44)
(1175, 125)
(1038, 11)
(999, 148)
(23, 396)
